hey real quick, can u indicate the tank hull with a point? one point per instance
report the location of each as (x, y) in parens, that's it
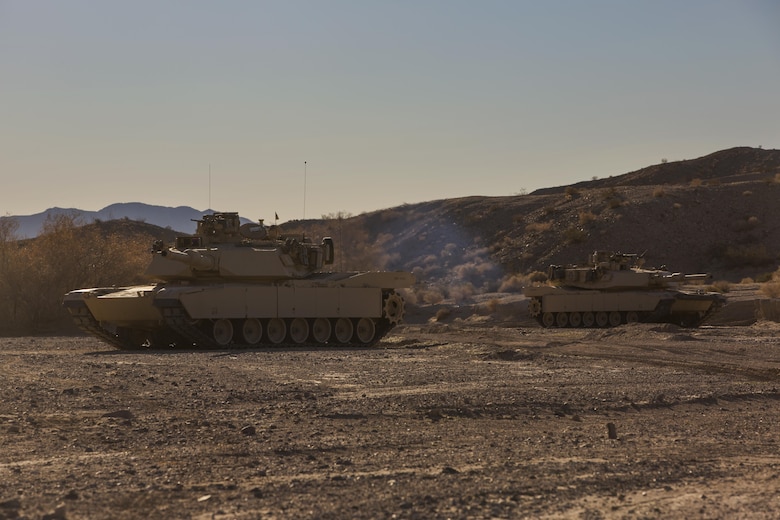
(345, 309)
(567, 307)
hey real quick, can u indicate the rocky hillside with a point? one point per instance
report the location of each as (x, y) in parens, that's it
(716, 214)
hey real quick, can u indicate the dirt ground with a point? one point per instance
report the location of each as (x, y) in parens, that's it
(440, 420)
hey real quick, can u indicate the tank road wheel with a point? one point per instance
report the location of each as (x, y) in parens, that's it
(615, 319)
(343, 330)
(365, 330)
(602, 319)
(299, 330)
(575, 319)
(320, 330)
(252, 331)
(276, 330)
(548, 319)
(632, 317)
(223, 332)
(394, 308)
(562, 319)
(535, 307)
(588, 319)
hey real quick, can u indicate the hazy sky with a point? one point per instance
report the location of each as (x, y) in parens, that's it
(387, 102)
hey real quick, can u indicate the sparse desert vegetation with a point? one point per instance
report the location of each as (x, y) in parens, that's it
(460, 249)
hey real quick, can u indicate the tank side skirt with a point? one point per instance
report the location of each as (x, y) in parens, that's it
(199, 332)
(689, 310)
(590, 301)
(239, 301)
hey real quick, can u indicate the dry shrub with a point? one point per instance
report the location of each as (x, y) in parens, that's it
(746, 281)
(481, 253)
(430, 296)
(571, 192)
(448, 250)
(741, 255)
(537, 277)
(696, 182)
(492, 305)
(443, 313)
(35, 274)
(659, 192)
(721, 286)
(612, 198)
(770, 289)
(746, 225)
(586, 217)
(539, 227)
(512, 284)
(747, 193)
(461, 292)
(575, 235)
(409, 296)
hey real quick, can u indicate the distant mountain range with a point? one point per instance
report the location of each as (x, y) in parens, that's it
(179, 219)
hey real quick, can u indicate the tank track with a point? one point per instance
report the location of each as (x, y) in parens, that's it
(661, 314)
(177, 319)
(85, 321)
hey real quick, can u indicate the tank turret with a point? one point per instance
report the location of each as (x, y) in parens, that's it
(243, 284)
(221, 248)
(614, 288)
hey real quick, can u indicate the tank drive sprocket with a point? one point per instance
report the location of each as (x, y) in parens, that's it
(394, 308)
(535, 307)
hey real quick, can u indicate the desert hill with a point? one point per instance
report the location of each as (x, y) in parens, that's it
(715, 214)
(734, 165)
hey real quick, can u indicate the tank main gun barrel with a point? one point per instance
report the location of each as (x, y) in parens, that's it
(697, 278)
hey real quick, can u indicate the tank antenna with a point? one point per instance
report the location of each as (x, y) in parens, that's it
(304, 190)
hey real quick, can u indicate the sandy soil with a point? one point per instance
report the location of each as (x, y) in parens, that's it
(437, 421)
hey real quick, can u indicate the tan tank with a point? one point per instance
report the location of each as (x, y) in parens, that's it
(614, 288)
(242, 285)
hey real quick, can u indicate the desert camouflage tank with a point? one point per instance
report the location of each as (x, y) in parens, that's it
(614, 288)
(246, 286)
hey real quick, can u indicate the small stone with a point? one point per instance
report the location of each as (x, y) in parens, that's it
(249, 430)
(13, 503)
(121, 414)
(57, 514)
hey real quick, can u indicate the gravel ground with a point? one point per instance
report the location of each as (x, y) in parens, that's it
(437, 421)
